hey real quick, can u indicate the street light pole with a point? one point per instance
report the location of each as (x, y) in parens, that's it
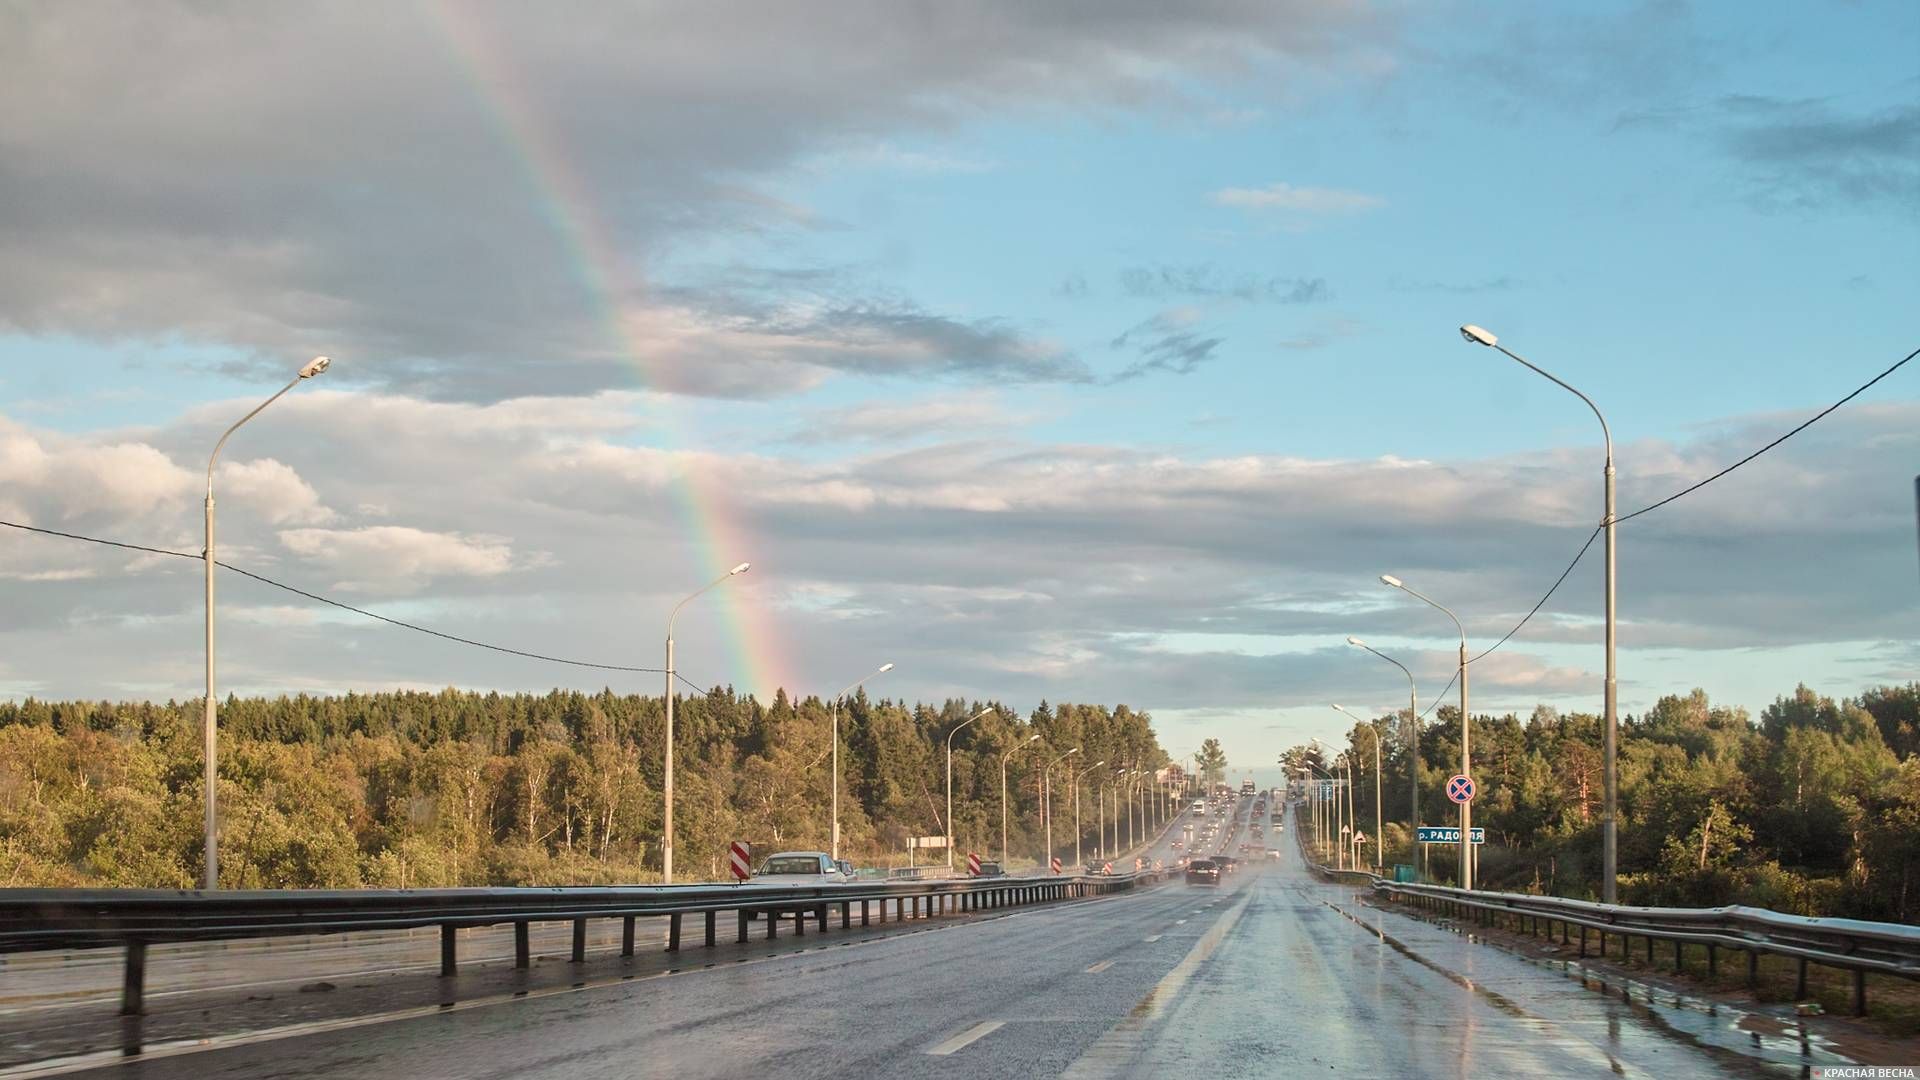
(950, 736)
(882, 670)
(1076, 774)
(1320, 808)
(1466, 730)
(209, 729)
(666, 843)
(1339, 826)
(1046, 801)
(1610, 733)
(1031, 739)
(1379, 819)
(1413, 743)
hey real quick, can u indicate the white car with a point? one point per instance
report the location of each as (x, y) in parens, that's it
(802, 868)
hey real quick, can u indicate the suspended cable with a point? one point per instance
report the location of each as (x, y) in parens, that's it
(319, 599)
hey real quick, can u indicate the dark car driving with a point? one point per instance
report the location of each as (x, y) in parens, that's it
(1228, 864)
(992, 869)
(1203, 872)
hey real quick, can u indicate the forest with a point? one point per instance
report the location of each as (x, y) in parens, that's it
(417, 790)
(1812, 809)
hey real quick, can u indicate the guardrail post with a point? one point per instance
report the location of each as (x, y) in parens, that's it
(1649, 951)
(712, 918)
(799, 922)
(673, 932)
(846, 914)
(1800, 981)
(773, 923)
(1679, 957)
(863, 912)
(626, 936)
(1713, 960)
(133, 990)
(742, 916)
(579, 941)
(1859, 992)
(447, 958)
(1583, 943)
(1753, 968)
(821, 911)
(522, 951)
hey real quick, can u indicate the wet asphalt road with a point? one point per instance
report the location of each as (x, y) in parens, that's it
(1271, 974)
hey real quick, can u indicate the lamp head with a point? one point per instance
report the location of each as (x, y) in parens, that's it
(315, 366)
(884, 668)
(741, 569)
(1035, 737)
(1075, 750)
(1390, 580)
(1351, 640)
(1478, 336)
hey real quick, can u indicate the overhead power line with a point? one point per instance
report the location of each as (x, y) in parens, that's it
(329, 601)
(1649, 508)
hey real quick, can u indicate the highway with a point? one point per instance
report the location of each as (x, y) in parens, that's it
(1271, 973)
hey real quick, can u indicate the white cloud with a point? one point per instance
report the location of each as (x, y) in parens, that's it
(1019, 568)
(1301, 200)
(396, 557)
(273, 490)
(277, 199)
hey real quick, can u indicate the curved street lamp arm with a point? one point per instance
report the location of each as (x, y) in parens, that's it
(695, 594)
(217, 447)
(1605, 431)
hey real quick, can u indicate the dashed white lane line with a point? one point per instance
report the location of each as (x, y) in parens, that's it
(1153, 938)
(1099, 967)
(1113, 1052)
(1179, 922)
(967, 1038)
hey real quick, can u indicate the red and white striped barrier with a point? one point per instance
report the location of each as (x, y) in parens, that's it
(740, 860)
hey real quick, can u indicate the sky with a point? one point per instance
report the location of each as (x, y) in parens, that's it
(1079, 352)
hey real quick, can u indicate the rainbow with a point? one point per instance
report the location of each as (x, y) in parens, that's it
(756, 658)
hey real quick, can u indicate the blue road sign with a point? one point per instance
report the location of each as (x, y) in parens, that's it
(1441, 834)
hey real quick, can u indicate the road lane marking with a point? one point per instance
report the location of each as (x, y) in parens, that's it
(1179, 922)
(1153, 938)
(1114, 1052)
(1099, 967)
(968, 1037)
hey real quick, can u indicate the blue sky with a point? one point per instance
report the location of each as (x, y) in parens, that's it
(1033, 263)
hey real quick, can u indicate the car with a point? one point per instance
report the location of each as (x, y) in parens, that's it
(992, 869)
(1228, 864)
(1203, 872)
(802, 868)
(1273, 854)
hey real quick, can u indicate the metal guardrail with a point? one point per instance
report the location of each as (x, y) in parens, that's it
(50, 919)
(1853, 945)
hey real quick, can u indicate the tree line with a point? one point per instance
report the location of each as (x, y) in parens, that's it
(1812, 809)
(417, 790)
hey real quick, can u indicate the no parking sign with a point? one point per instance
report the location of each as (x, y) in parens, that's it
(1460, 788)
